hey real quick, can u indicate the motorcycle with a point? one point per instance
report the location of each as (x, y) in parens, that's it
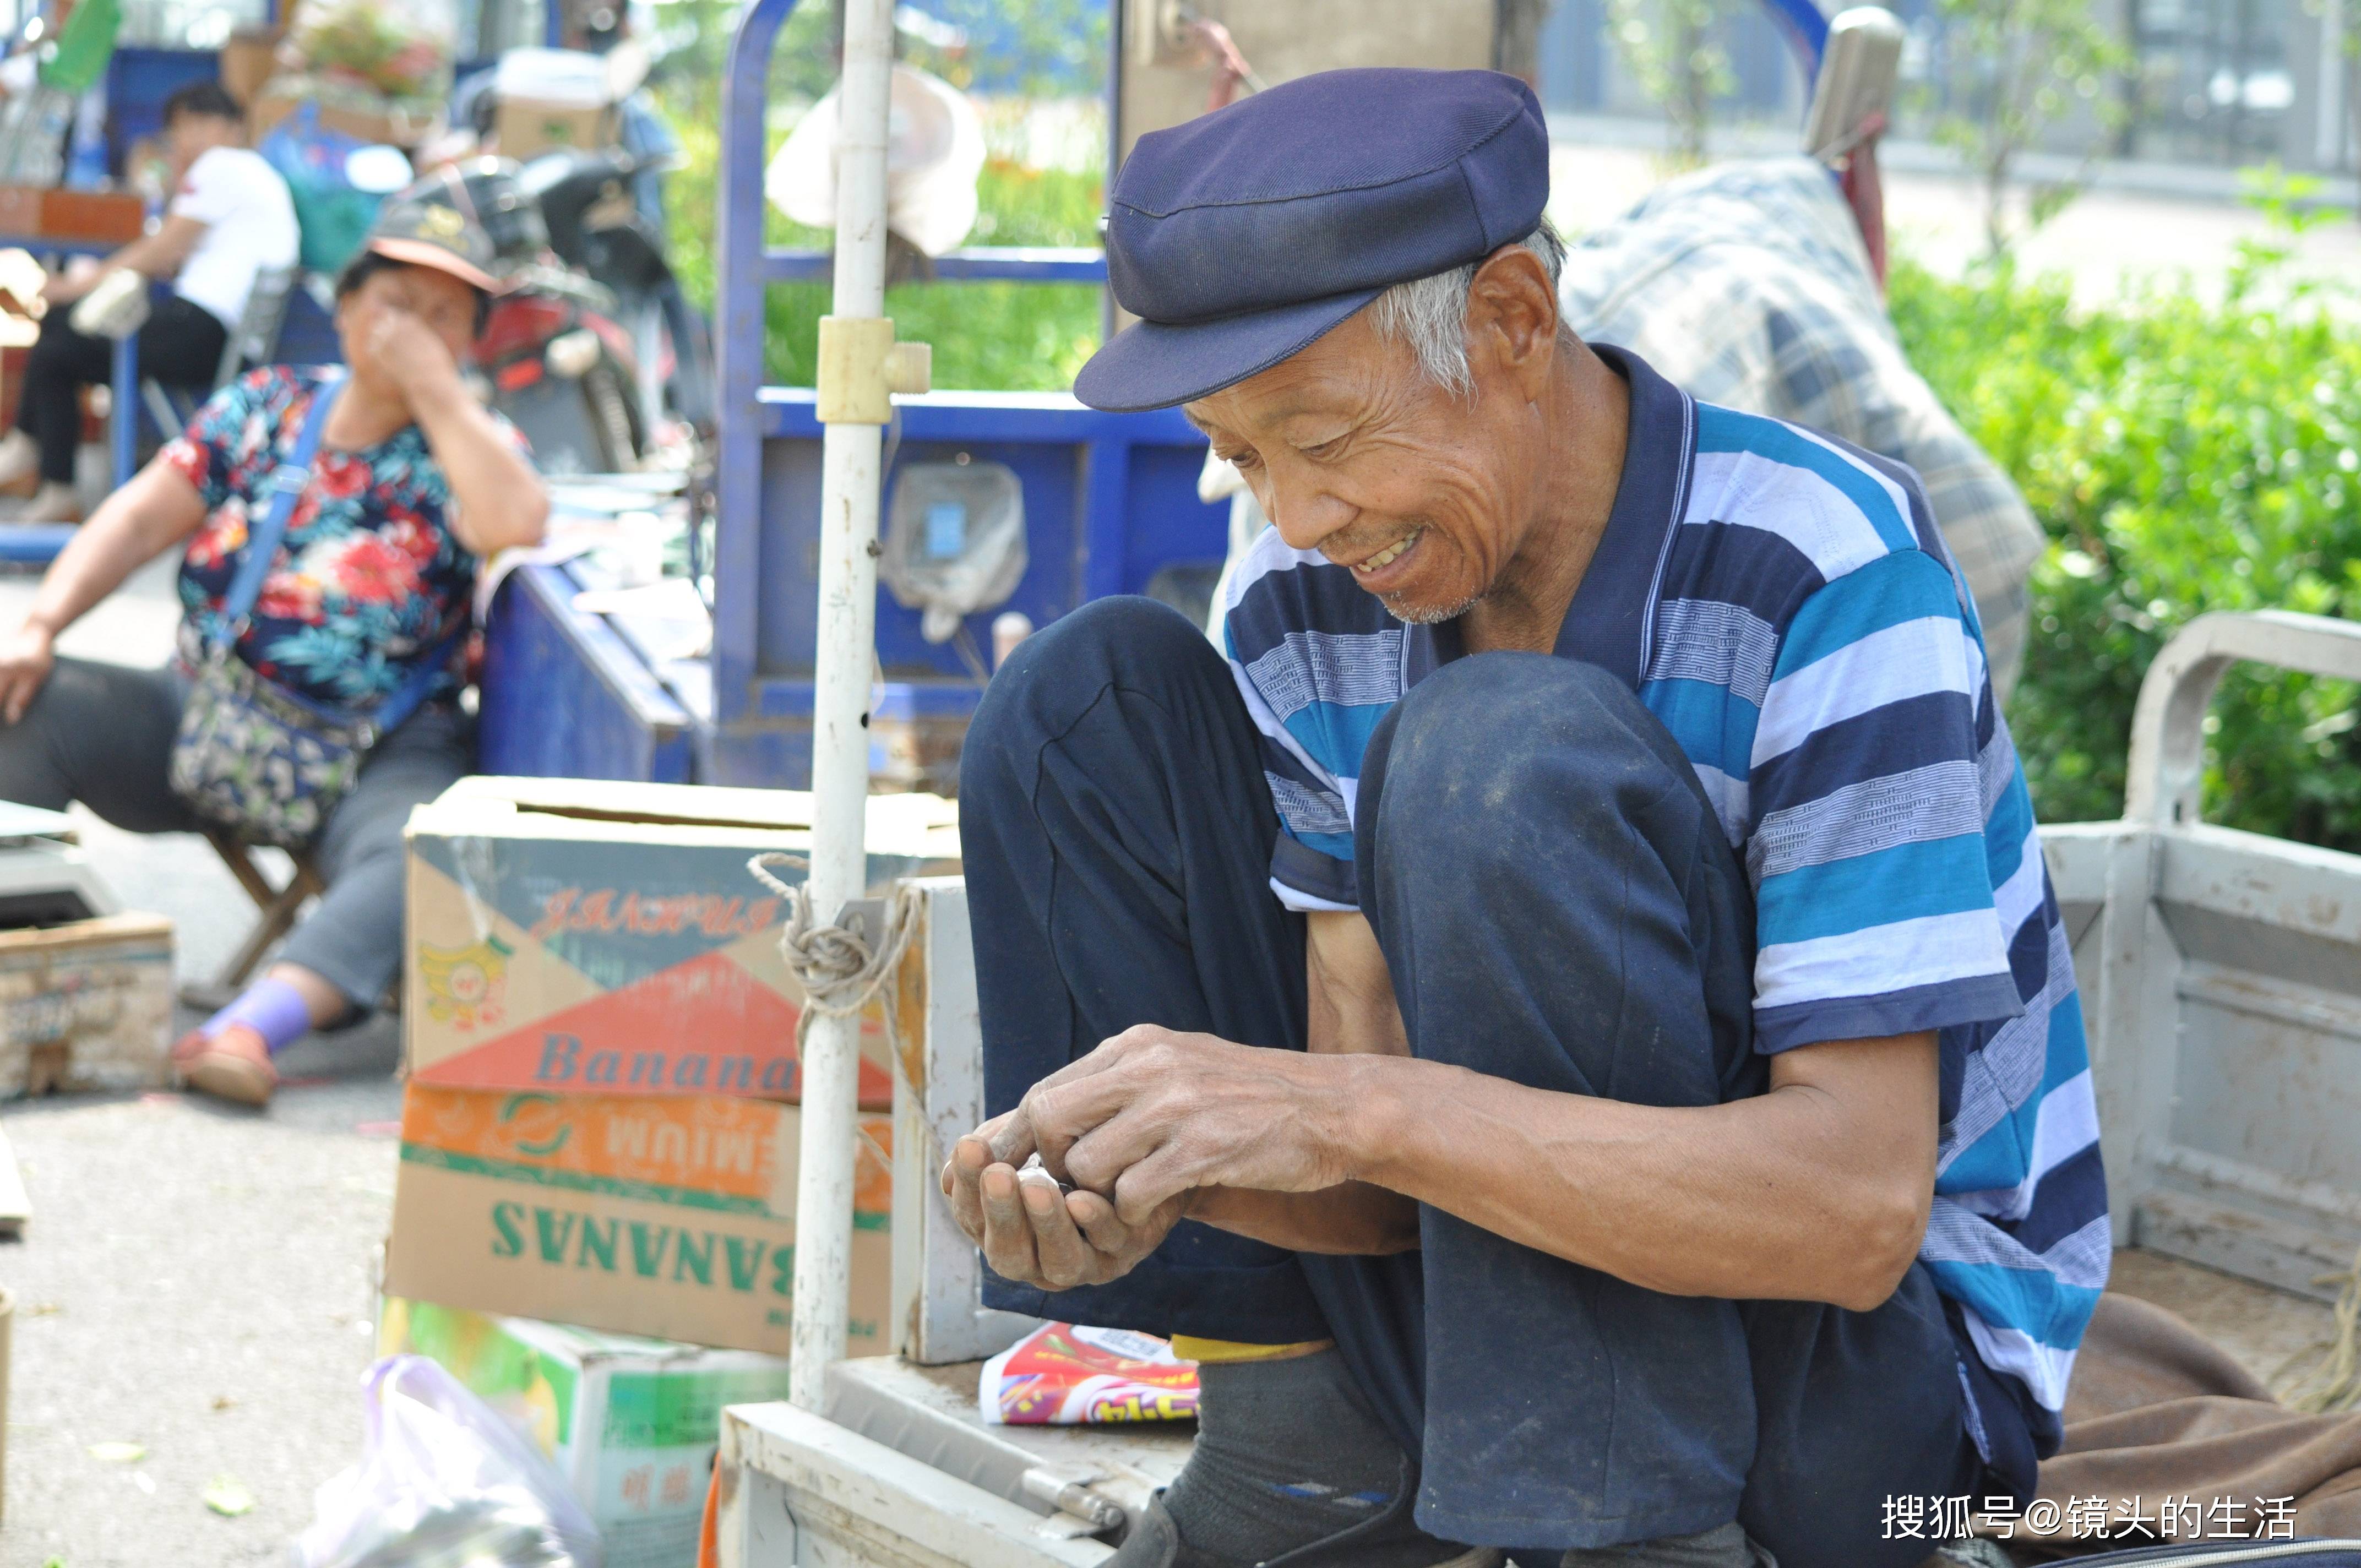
(561, 367)
(597, 226)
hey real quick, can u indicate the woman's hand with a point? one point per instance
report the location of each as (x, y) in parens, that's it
(26, 657)
(414, 356)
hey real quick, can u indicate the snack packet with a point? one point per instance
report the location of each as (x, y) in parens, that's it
(1061, 1375)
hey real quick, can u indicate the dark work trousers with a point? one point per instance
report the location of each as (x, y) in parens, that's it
(1557, 907)
(181, 345)
(102, 734)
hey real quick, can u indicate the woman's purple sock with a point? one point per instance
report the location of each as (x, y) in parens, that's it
(272, 1008)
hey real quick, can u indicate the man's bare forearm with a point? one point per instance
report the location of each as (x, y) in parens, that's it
(1353, 1219)
(1817, 1190)
(1798, 1194)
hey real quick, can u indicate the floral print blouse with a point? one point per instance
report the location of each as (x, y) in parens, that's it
(368, 577)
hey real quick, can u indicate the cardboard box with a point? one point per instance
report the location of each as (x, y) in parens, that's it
(631, 1422)
(528, 129)
(86, 1006)
(248, 61)
(669, 1215)
(578, 934)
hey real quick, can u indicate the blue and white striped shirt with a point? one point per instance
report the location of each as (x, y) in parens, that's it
(1784, 604)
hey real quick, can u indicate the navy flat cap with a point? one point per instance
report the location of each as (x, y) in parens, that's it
(1241, 237)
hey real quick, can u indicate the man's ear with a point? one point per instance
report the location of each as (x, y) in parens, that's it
(1512, 317)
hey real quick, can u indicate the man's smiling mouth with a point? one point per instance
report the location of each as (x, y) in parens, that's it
(1389, 555)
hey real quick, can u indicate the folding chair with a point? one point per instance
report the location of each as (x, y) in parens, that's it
(254, 342)
(277, 904)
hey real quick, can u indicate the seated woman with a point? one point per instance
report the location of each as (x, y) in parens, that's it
(411, 482)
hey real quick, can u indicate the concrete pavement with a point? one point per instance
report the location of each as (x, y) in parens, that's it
(195, 1278)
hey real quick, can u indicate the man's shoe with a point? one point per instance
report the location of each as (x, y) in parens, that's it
(230, 1064)
(20, 464)
(1389, 1540)
(49, 502)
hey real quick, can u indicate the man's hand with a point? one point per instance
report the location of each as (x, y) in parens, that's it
(26, 657)
(82, 274)
(1152, 1114)
(1032, 1233)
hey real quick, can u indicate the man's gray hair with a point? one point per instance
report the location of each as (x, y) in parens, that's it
(1430, 313)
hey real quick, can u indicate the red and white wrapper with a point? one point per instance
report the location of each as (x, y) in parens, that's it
(1061, 1375)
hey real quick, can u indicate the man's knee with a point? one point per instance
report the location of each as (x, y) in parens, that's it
(1057, 672)
(1125, 638)
(1490, 745)
(57, 351)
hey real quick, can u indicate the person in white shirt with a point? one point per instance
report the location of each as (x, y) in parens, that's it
(230, 217)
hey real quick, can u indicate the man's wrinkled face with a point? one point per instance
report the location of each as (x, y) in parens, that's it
(1354, 453)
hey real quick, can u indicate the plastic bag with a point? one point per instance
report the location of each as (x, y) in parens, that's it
(954, 542)
(1061, 1375)
(934, 153)
(442, 1483)
(332, 216)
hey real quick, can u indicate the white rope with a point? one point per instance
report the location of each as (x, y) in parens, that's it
(839, 971)
(2326, 1378)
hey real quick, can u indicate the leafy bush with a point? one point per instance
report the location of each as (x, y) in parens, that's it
(2184, 457)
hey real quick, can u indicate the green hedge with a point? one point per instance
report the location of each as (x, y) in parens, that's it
(2183, 457)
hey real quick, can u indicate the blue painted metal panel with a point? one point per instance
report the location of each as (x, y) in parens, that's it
(1019, 264)
(989, 416)
(789, 588)
(770, 757)
(1807, 33)
(779, 746)
(737, 353)
(35, 544)
(1109, 499)
(564, 697)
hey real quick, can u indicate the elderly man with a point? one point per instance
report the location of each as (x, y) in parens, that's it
(1584, 953)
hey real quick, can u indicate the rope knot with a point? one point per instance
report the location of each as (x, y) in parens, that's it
(839, 969)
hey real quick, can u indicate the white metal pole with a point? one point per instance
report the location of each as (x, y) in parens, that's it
(2328, 123)
(847, 617)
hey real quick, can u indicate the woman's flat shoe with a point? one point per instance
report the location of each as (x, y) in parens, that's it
(232, 1064)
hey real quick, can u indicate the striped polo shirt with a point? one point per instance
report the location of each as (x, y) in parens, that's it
(1784, 604)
